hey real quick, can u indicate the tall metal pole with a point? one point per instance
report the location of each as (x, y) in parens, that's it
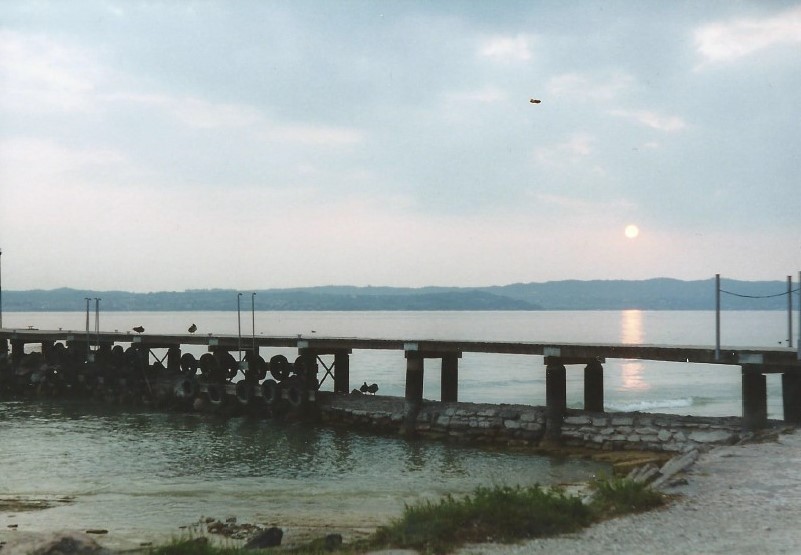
(717, 316)
(239, 323)
(253, 317)
(97, 321)
(1, 288)
(790, 311)
(88, 348)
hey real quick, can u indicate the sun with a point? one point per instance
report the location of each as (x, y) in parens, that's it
(632, 231)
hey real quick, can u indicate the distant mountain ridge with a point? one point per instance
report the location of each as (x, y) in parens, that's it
(650, 294)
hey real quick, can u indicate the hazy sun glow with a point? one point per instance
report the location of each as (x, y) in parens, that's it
(632, 231)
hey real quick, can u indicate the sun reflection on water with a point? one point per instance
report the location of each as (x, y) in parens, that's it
(631, 333)
(631, 327)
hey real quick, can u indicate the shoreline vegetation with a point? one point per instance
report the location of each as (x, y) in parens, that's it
(650, 294)
(501, 514)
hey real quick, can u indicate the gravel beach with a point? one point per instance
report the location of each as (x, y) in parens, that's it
(739, 499)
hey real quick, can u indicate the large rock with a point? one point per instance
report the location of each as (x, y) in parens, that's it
(674, 466)
(333, 542)
(55, 543)
(713, 436)
(271, 537)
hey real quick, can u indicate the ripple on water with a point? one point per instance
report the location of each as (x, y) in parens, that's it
(137, 473)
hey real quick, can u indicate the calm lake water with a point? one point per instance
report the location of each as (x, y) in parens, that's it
(142, 475)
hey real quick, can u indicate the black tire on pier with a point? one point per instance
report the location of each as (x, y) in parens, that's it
(208, 365)
(271, 392)
(189, 364)
(257, 368)
(280, 369)
(228, 365)
(296, 393)
(216, 393)
(244, 392)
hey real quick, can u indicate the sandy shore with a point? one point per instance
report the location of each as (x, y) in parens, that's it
(743, 499)
(739, 499)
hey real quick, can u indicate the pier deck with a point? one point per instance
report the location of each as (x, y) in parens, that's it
(755, 362)
(776, 359)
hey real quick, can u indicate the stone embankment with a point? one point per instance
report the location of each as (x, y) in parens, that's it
(524, 425)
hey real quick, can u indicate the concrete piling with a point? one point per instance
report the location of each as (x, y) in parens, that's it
(555, 399)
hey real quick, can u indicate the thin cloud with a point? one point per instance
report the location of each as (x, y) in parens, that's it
(27, 160)
(40, 75)
(507, 49)
(202, 114)
(487, 95)
(576, 205)
(318, 135)
(660, 122)
(727, 42)
(576, 148)
(193, 111)
(587, 87)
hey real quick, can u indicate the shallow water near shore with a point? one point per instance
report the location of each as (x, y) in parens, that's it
(142, 475)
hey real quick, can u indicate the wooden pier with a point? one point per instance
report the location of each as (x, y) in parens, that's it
(755, 362)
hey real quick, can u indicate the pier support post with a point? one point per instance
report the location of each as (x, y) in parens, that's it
(341, 372)
(555, 399)
(594, 387)
(17, 352)
(755, 398)
(47, 350)
(174, 359)
(449, 378)
(791, 397)
(414, 390)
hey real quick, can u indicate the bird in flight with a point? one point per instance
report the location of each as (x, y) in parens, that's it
(192, 328)
(535, 100)
(139, 329)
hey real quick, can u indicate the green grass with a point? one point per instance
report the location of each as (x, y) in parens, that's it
(499, 514)
(619, 496)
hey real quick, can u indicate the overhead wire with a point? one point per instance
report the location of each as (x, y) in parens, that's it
(759, 296)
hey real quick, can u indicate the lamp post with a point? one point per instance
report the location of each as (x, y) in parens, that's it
(717, 316)
(97, 321)
(790, 311)
(239, 324)
(253, 317)
(88, 300)
(1, 288)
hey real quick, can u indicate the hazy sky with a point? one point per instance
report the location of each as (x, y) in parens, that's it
(255, 144)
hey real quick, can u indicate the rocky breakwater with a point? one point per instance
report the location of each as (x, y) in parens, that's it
(467, 422)
(649, 432)
(525, 425)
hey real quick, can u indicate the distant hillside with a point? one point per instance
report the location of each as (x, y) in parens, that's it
(317, 298)
(651, 294)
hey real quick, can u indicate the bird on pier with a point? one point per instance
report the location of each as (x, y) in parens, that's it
(139, 329)
(364, 387)
(372, 388)
(192, 328)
